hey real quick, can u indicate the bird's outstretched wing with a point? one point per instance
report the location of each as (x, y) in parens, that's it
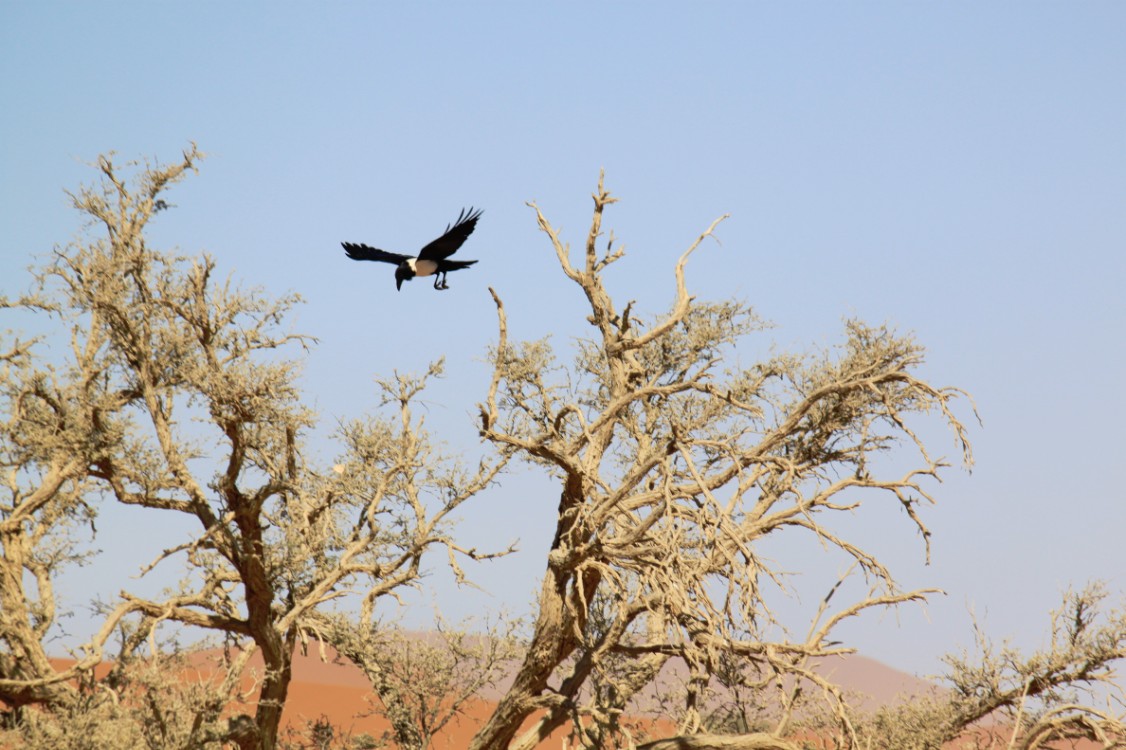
(455, 235)
(364, 252)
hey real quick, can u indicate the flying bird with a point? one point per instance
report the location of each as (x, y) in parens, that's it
(432, 260)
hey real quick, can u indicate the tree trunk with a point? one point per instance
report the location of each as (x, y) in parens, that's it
(552, 639)
(720, 742)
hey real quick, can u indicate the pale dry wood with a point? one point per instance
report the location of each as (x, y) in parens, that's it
(720, 742)
(179, 395)
(671, 465)
(673, 457)
(1068, 690)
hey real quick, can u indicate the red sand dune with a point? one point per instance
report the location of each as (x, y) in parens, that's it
(324, 686)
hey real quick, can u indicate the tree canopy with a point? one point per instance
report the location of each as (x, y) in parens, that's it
(178, 393)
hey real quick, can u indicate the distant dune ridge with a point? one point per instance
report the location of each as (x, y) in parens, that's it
(325, 685)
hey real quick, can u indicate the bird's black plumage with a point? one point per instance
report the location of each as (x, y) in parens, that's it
(432, 259)
(364, 252)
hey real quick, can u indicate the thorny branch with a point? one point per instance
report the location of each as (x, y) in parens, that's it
(178, 396)
(673, 465)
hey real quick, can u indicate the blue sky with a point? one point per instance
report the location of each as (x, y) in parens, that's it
(955, 169)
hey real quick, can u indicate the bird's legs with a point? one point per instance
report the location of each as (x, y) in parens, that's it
(440, 281)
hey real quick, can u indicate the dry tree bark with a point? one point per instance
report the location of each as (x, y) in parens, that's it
(1068, 690)
(179, 395)
(720, 742)
(672, 463)
(423, 682)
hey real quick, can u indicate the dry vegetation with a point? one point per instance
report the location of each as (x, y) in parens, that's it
(178, 394)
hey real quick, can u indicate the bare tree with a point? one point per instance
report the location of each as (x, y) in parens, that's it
(177, 395)
(1068, 690)
(673, 462)
(147, 704)
(423, 681)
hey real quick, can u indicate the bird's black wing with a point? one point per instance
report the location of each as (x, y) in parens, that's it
(455, 235)
(364, 252)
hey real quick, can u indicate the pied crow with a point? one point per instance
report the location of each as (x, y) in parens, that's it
(431, 260)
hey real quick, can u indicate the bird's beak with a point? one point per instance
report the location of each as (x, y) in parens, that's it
(398, 283)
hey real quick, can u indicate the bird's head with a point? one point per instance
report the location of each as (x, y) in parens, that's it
(401, 275)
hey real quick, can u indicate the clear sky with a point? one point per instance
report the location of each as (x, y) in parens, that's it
(957, 169)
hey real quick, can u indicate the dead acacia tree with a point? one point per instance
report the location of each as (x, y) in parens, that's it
(1068, 690)
(424, 681)
(178, 395)
(673, 462)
